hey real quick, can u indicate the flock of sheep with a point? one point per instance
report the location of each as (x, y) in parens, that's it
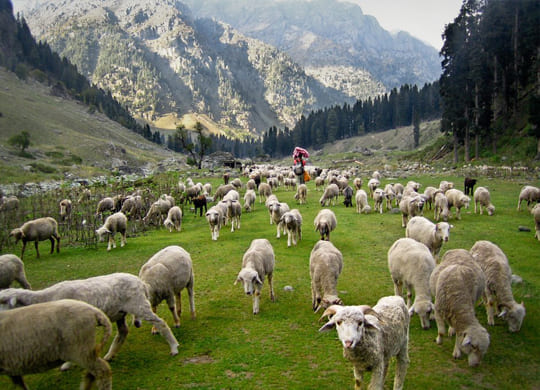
(445, 289)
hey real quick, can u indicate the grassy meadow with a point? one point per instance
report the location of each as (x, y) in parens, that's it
(227, 347)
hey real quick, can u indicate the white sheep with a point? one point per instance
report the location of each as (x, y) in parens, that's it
(373, 183)
(362, 205)
(158, 211)
(457, 283)
(429, 195)
(445, 185)
(325, 265)
(277, 209)
(12, 269)
(257, 263)
(117, 295)
(301, 194)
(37, 230)
(232, 195)
(529, 193)
(319, 183)
(325, 222)
(264, 192)
(222, 190)
(9, 204)
(357, 183)
(390, 195)
(330, 195)
(215, 218)
(481, 196)
(410, 264)
(174, 219)
(456, 198)
(379, 197)
(116, 223)
(233, 213)
(249, 200)
(410, 206)
(536, 215)
(371, 337)
(440, 208)
(65, 209)
(133, 206)
(105, 204)
(498, 292)
(292, 224)
(40, 337)
(166, 274)
(428, 233)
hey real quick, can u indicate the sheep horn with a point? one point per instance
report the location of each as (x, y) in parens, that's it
(330, 311)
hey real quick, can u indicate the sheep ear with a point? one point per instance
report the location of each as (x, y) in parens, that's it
(12, 302)
(411, 311)
(503, 313)
(238, 279)
(466, 341)
(328, 326)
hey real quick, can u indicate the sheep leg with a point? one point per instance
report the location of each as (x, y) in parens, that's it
(358, 378)
(289, 240)
(162, 327)
(403, 220)
(18, 381)
(490, 311)
(23, 248)
(402, 363)
(118, 339)
(441, 328)
(123, 238)
(191, 300)
(271, 284)
(456, 354)
(378, 375)
(409, 294)
(398, 288)
(51, 239)
(36, 244)
(174, 307)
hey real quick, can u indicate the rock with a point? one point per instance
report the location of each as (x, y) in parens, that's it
(524, 229)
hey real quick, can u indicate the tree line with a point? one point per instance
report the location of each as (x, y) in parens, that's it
(490, 83)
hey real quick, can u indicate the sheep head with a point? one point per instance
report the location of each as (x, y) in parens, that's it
(514, 316)
(102, 232)
(250, 279)
(425, 310)
(17, 233)
(474, 342)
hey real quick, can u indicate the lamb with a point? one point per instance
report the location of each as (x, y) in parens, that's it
(457, 199)
(325, 222)
(157, 212)
(12, 269)
(410, 206)
(301, 194)
(378, 197)
(292, 223)
(390, 195)
(411, 264)
(362, 205)
(257, 263)
(67, 334)
(371, 336)
(277, 209)
(264, 192)
(457, 283)
(330, 195)
(215, 218)
(429, 195)
(65, 209)
(441, 207)
(174, 219)
(37, 230)
(536, 215)
(468, 185)
(431, 235)
(325, 265)
(372, 185)
(166, 274)
(357, 183)
(498, 291)
(347, 196)
(529, 193)
(234, 212)
(481, 196)
(117, 295)
(249, 200)
(116, 223)
(105, 204)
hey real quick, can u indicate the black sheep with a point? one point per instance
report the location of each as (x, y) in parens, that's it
(469, 185)
(199, 202)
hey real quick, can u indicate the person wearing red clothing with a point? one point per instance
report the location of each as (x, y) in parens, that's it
(298, 168)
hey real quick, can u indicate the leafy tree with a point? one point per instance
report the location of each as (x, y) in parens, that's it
(21, 140)
(198, 149)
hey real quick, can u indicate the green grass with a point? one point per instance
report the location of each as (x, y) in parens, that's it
(281, 348)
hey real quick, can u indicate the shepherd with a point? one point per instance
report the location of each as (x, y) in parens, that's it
(299, 163)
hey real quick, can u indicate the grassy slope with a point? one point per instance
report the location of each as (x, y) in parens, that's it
(63, 127)
(228, 347)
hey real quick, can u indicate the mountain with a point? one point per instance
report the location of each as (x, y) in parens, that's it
(325, 36)
(165, 65)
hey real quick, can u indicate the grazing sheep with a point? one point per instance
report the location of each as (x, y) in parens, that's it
(325, 222)
(232, 195)
(215, 218)
(174, 219)
(65, 209)
(292, 224)
(234, 212)
(429, 195)
(133, 207)
(468, 185)
(410, 206)
(12, 269)
(376, 175)
(441, 207)
(530, 194)
(446, 185)
(222, 191)
(116, 223)
(410, 264)
(362, 205)
(482, 197)
(457, 199)
(117, 294)
(237, 183)
(105, 204)
(207, 188)
(157, 212)
(37, 230)
(372, 185)
(411, 188)
(250, 185)
(277, 209)
(257, 263)
(536, 215)
(371, 337)
(84, 196)
(347, 196)
(200, 202)
(192, 192)
(431, 235)
(498, 295)
(325, 265)
(357, 183)
(457, 283)
(319, 183)
(264, 192)
(9, 204)
(166, 274)
(301, 194)
(38, 338)
(379, 197)
(249, 200)
(330, 195)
